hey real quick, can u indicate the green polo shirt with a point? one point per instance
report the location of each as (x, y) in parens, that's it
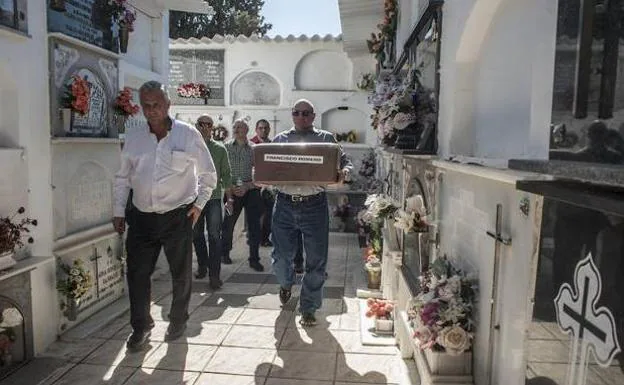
(222, 165)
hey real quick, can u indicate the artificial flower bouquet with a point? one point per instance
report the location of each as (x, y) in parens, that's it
(77, 282)
(414, 217)
(378, 208)
(122, 14)
(193, 90)
(77, 95)
(442, 313)
(124, 105)
(366, 82)
(379, 308)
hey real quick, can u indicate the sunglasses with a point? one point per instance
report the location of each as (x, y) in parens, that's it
(208, 124)
(304, 113)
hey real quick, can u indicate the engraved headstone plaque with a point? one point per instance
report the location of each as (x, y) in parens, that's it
(104, 264)
(99, 71)
(197, 66)
(256, 88)
(86, 20)
(89, 197)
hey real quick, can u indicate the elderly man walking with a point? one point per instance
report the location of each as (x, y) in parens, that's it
(209, 259)
(243, 193)
(302, 209)
(169, 169)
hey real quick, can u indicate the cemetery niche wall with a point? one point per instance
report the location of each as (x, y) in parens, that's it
(100, 72)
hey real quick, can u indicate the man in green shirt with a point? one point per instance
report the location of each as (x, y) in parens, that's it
(209, 260)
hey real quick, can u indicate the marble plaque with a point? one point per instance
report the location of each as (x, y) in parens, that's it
(89, 197)
(100, 71)
(256, 88)
(104, 262)
(84, 20)
(204, 66)
(110, 269)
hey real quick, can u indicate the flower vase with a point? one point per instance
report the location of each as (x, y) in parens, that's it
(67, 119)
(124, 37)
(384, 326)
(444, 364)
(71, 311)
(120, 125)
(6, 260)
(57, 5)
(374, 278)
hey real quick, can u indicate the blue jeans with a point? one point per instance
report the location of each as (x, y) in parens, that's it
(211, 218)
(291, 220)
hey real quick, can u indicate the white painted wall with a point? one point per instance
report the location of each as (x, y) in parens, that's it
(24, 112)
(282, 59)
(467, 201)
(497, 78)
(25, 136)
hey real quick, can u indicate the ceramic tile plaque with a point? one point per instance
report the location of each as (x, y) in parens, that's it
(100, 72)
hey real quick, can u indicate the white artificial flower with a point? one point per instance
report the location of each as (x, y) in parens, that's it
(404, 220)
(454, 339)
(416, 204)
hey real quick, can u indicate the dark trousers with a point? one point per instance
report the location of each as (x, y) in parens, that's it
(209, 257)
(268, 201)
(252, 202)
(148, 233)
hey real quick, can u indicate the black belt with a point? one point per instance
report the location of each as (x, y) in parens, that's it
(300, 198)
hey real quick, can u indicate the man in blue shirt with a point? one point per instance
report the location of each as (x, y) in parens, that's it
(302, 209)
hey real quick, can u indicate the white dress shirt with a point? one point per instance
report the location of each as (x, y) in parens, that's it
(167, 174)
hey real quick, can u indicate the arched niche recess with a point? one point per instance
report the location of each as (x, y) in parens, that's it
(324, 71)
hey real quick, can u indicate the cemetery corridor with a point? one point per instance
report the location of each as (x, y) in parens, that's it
(236, 335)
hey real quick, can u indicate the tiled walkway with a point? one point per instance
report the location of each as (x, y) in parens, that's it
(237, 335)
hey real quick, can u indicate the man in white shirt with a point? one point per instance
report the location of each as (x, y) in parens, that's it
(168, 167)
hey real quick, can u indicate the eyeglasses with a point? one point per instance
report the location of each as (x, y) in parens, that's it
(207, 124)
(304, 113)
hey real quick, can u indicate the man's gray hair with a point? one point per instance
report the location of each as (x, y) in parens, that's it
(306, 101)
(154, 85)
(241, 120)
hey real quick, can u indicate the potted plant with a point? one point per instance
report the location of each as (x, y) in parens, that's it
(382, 311)
(441, 316)
(76, 99)
(124, 107)
(125, 18)
(12, 234)
(73, 286)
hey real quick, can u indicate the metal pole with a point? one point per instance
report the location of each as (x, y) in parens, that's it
(494, 326)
